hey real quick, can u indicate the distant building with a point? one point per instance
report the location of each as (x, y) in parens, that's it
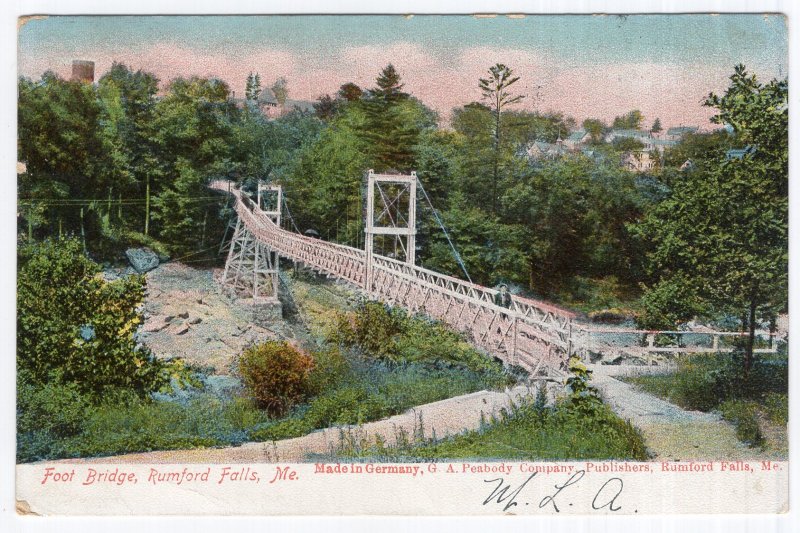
(269, 106)
(576, 139)
(661, 144)
(677, 133)
(592, 154)
(83, 71)
(540, 150)
(272, 108)
(639, 135)
(638, 161)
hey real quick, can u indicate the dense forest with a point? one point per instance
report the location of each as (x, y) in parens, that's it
(124, 161)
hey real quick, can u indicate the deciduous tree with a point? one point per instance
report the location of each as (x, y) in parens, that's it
(724, 230)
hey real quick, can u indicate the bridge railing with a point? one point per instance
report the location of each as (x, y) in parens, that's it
(648, 345)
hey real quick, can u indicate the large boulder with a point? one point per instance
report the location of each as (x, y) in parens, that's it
(142, 259)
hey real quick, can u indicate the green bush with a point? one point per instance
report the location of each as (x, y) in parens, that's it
(276, 375)
(388, 334)
(54, 408)
(74, 327)
(330, 368)
(776, 406)
(528, 430)
(743, 415)
(373, 327)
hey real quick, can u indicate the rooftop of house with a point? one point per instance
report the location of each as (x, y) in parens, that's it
(682, 130)
(630, 133)
(266, 96)
(546, 147)
(738, 153)
(576, 136)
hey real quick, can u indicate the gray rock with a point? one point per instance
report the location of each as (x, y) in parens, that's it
(196, 320)
(142, 259)
(185, 314)
(183, 329)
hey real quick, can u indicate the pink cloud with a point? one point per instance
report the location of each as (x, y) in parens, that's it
(672, 92)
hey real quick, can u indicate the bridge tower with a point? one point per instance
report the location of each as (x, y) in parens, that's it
(392, 213)
(251, 269)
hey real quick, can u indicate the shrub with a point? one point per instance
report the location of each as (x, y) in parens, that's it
(777, 407)
(529, 429)
(389, 335)
(704, 381)
(744, 415)
(73, 325)
(276, 375)
(343, 406)
(330, 369)
(137, 426)
(373, 327)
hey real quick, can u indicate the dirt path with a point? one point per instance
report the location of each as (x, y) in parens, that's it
(670, 432)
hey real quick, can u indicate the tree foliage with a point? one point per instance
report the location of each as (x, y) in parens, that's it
(596, 129)
(253, 87)
(74, 328)
(656, 127)
(496, 89)
(723, 233)
(632, 120)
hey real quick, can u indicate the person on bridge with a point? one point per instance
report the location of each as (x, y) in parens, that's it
(503, 298)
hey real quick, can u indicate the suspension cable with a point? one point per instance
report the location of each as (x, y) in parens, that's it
(444, 229)
(289, 214)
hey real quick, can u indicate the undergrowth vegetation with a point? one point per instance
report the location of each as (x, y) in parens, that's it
(578, 426)
(706, 382)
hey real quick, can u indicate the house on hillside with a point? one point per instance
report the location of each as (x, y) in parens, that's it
(596, 156)
(677, 133)
(638, 161)
(643, 137)
(270, 107)
(577, 139)
(540, 150)
(661, 144)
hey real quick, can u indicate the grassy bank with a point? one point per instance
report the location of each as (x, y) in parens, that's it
(756, 402)
(578, 426)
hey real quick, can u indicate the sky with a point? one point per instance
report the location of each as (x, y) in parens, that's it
(597, 66)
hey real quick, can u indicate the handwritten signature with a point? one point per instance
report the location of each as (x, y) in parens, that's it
(506, 495)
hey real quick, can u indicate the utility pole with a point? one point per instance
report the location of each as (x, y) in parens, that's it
(147, 206)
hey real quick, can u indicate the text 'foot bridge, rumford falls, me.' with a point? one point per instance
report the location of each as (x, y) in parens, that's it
(534, 335)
